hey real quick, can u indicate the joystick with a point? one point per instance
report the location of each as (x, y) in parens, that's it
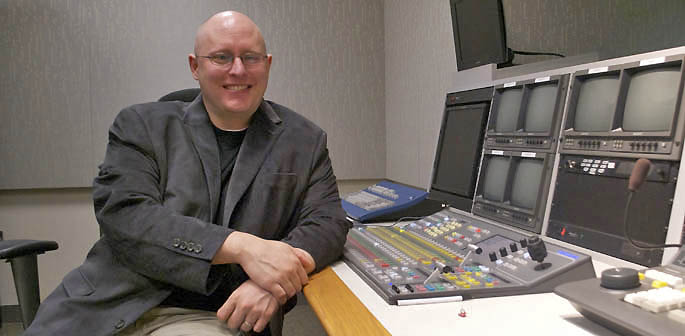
(538, 252)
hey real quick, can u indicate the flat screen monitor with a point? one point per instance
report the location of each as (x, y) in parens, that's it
(460, 149)
(540, 108)
(508, 110)
(479, 33)
(526, 183)
(651, 100)
(596, 103)
(460, 141)
(495, 182)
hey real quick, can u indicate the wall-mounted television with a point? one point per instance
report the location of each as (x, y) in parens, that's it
(513, 187)
(629, 110)
(479, 33)
(526, 115)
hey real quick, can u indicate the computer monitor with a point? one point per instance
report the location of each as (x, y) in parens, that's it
(513, 187)
(457, 157)
(632, 109)
(479, 33)
(526, 114)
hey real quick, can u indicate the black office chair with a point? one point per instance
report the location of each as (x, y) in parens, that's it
(185, 95)
(22, 255)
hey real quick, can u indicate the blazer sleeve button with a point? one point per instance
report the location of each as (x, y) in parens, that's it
(198, 248)
(183, 245)
(120, 324)
(176, 243)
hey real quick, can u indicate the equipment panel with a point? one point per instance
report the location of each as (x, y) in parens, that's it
(451, 253)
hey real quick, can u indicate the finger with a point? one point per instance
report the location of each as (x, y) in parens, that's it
(236, 319)
(290, 287)
(279, 293)
(302, 274)
(226, 310)
(251, 320)
(266, 316)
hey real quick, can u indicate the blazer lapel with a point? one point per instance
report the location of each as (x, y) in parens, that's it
(202, 133)
(262, 133)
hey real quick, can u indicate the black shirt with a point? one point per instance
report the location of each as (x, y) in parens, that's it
(229, 144)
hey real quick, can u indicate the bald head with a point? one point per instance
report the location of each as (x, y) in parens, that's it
(228, 22)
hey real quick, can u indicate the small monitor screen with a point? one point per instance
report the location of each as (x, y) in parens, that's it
(496, 178)
(651, 99)
(508, 110)
(526, 183)
(540, 109)
(596, 104)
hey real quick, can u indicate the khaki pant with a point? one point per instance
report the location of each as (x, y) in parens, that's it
(171, 321)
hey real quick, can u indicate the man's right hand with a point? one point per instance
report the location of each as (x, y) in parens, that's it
(273, 265)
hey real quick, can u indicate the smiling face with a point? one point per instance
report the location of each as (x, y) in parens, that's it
(231, 93)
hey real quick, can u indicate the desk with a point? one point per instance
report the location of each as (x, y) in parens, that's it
(355, 309)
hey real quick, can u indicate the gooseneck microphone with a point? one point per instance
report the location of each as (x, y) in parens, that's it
(638, 176)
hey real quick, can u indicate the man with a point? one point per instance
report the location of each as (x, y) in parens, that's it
(212, 212)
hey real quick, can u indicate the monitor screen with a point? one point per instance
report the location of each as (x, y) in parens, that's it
(596, 104)
(651, 100)
(540, 109)
(508, 110)
(526, 183)
(479, 33)
(459, 149)
(496, 178)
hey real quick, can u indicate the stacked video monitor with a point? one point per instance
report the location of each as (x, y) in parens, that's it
(526, 115)
(518, 160)
(628, 109)
(617, 114)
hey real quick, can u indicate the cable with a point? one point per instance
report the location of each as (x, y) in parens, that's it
(536, 53)
(627, 235)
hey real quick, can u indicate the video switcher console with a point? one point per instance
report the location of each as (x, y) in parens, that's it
(450, 253)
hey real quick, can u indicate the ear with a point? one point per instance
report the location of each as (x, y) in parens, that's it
(193, 63)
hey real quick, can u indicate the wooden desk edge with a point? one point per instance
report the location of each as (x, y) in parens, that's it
(338, 309)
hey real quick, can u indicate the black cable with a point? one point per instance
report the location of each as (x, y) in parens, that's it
(627, 234)
(535, 53)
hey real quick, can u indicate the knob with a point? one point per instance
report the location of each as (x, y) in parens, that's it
(493, 256)
(524, 243)
(620, 278)
(513, 247)
(503, 252)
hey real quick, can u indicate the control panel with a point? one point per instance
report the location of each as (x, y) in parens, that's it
(451, 253)
(381, 198)
(634, 302)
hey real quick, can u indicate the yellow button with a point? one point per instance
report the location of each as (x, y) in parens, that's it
(641, 276)
(659, 284)
(488, 284)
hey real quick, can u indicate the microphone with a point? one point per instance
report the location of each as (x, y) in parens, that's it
(637, 177)
(639, 174)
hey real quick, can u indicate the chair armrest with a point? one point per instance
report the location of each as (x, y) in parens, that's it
(21, 247)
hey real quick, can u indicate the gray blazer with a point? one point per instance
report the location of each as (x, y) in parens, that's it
(156, 196)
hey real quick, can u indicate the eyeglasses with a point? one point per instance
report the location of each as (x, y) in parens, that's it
(248, 60)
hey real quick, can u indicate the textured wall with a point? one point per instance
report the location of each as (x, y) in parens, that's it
(419, 62)
(612, 28)
(421, 67)
(68, 66)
